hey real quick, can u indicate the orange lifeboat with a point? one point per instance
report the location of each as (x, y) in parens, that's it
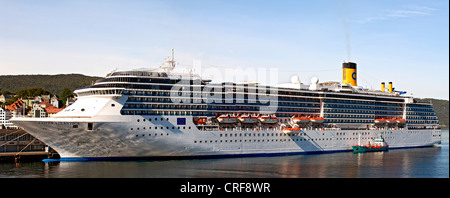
(401, 121)
(227, 119)
(198, 121)
(317, 120)
(266, 119)
(246, 119)
(380, 121)
(292, 130)
(300, 120)
(391, 121)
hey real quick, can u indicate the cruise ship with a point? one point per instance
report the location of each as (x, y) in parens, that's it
(159, 113)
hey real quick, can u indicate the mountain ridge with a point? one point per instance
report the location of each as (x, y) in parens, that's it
(55, 84)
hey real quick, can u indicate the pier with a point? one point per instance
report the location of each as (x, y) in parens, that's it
(26, 156)
(16, 145)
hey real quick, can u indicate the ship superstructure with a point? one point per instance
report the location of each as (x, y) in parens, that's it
(160, 113)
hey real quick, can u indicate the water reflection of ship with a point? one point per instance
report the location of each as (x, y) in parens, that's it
(393, 164)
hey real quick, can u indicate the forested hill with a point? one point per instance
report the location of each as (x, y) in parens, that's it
(55, 84)
(441, 109)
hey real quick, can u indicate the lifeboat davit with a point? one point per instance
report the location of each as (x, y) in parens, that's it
(266, 119)
(227, 119)
(246, 119)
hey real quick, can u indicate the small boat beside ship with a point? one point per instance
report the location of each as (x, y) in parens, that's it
(378, 145)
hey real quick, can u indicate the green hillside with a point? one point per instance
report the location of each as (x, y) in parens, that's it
(55, 84)
(441, 109)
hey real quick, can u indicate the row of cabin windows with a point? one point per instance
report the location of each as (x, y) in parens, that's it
(150, 119)
(217, 101)
(348, 121)
(350, 116)
(280, 140)
(420, 113)
(156, 127)
(421, 118)
(348, 111)
(347, 101)
(422, 122)
(284, 134)
(176, 113)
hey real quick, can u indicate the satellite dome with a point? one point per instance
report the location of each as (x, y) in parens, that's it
(295, 79)
(314, 80)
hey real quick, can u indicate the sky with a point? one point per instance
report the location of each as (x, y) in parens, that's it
(401, 41)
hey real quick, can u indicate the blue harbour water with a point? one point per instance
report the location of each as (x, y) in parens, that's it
(430, 162)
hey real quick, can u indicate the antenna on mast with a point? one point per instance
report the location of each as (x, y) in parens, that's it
(173, 61)
(169, 63)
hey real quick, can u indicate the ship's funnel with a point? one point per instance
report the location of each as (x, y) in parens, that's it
(390, 87)
(349, 73)
(383, 86)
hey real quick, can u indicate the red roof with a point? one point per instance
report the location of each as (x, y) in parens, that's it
(15, 105)
(47, 104)
(52, 109)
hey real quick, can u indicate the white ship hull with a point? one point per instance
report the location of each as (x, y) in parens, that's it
(116, 137)
(126, 115)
